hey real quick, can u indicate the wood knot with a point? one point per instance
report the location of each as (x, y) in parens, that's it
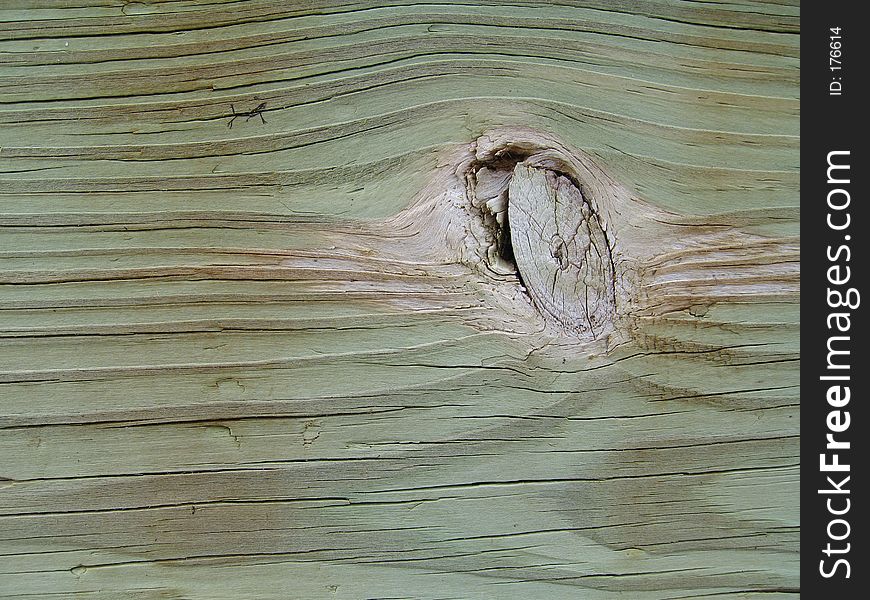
(552, 243)
(540, 226)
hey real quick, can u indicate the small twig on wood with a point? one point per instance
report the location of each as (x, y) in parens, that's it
(257, 112)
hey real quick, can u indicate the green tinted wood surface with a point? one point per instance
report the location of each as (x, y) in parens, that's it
(216, 383)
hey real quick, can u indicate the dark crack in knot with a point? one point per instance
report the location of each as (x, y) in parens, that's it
(540, 226)
(558, 251)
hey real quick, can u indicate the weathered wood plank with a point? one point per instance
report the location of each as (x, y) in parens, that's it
(288, 359)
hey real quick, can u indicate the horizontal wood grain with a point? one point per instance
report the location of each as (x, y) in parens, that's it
(248, 362)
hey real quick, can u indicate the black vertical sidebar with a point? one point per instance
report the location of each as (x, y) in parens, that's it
(834, 366)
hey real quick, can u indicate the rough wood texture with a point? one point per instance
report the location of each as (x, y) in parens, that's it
(565, 257)
(291, 359)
